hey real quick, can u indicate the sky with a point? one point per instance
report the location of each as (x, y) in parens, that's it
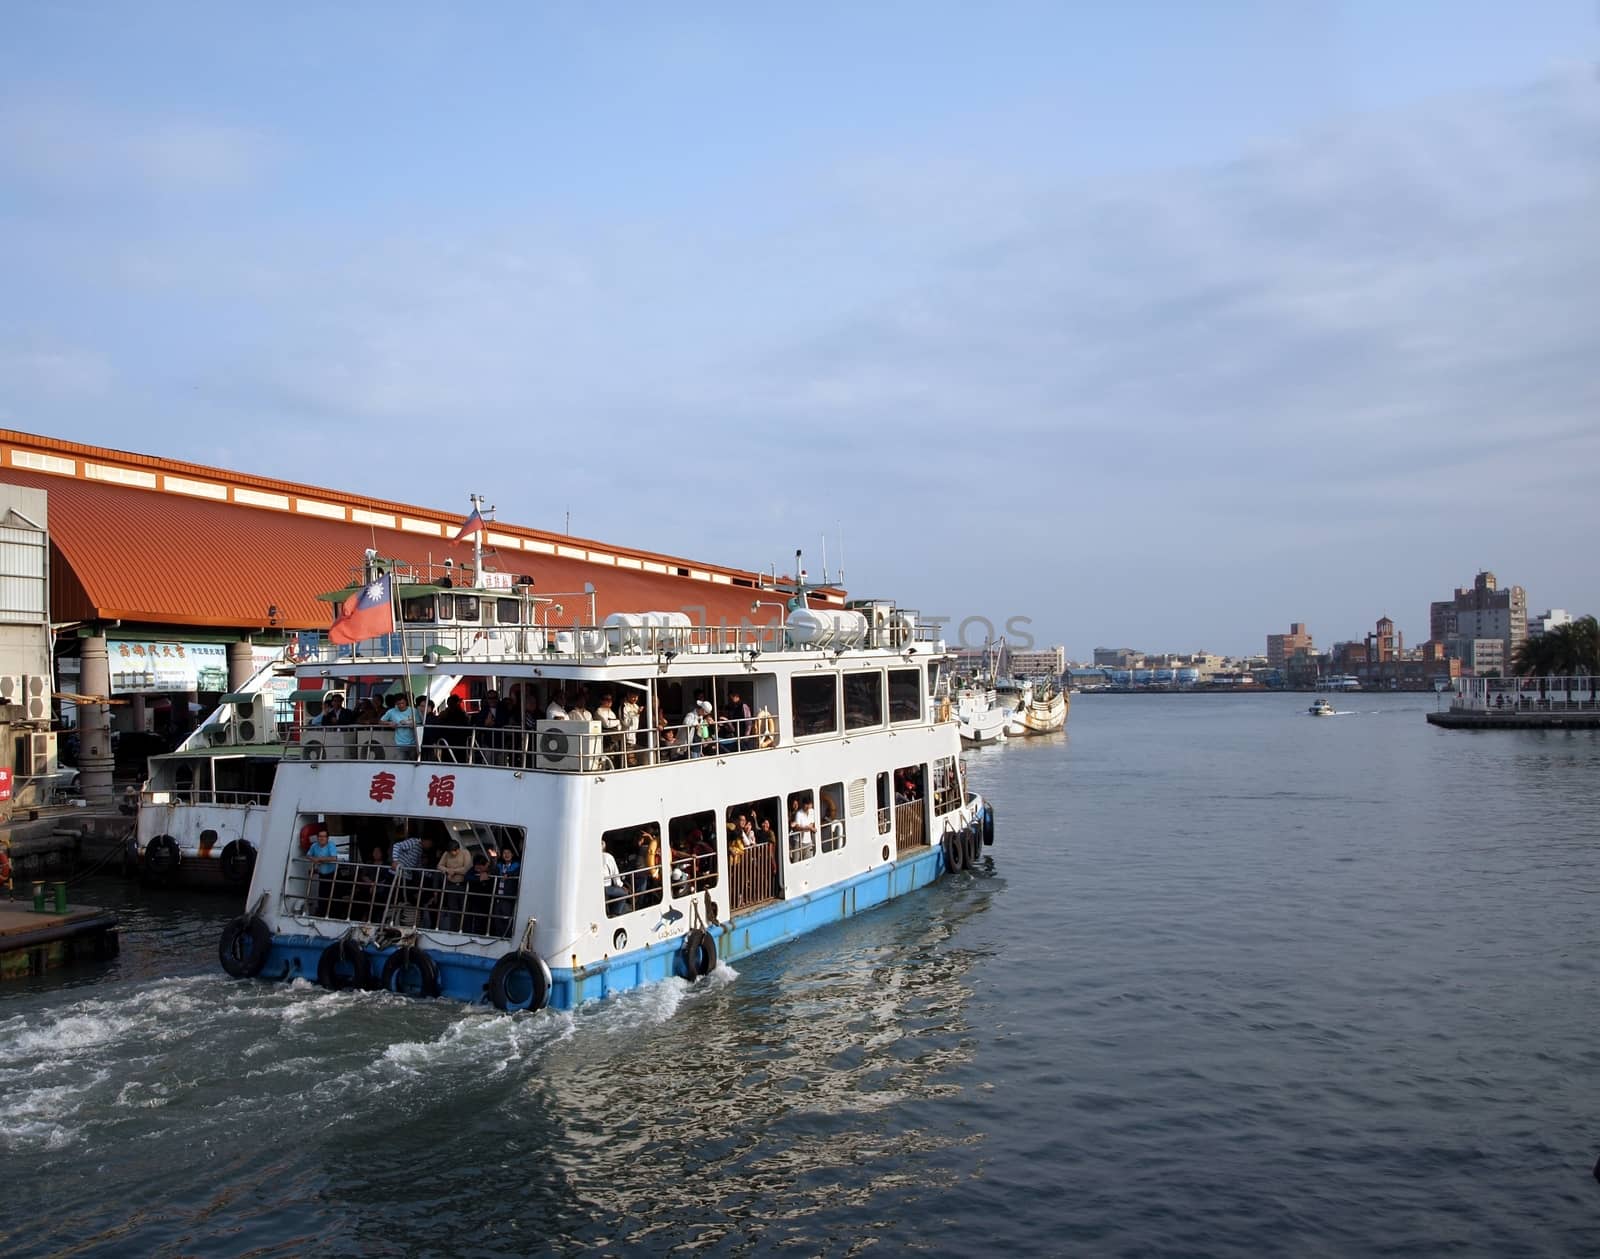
(1157, 325)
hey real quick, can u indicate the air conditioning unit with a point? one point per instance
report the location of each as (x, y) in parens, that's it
(11, 689)
(220, 734)
(36, 689)
(257, 721)
(566, 745)
(41, 759)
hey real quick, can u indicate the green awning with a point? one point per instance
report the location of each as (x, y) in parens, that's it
(300, 697)
(238, 697)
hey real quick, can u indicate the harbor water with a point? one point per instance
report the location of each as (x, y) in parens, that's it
(1238, 982)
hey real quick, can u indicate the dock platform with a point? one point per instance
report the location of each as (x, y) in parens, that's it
(1453, 720)
(32, 942)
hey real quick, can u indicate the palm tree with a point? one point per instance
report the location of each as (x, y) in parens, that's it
(1570, 650)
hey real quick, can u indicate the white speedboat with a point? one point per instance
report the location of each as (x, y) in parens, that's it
(599, 857)
(979, 715)
(1321, 708)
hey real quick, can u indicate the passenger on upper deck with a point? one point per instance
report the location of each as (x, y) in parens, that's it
(403, 720)
(610, 727)
(367, 713)
(578, 710)
(630, 728)
(697, 726)
(334, 713)
(738, 712)
(555, 710)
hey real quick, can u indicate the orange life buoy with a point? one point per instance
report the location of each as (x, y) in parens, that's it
(308, 833)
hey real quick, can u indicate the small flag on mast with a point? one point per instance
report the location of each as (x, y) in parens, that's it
(471, 525)
(369, 613)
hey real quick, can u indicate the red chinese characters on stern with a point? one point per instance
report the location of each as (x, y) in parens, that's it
(442, 791)
(382, 787)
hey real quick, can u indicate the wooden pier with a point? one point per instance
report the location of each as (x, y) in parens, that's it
(32, 942)
(1523, 703)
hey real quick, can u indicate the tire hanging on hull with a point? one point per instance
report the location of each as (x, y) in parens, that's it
(519, 981)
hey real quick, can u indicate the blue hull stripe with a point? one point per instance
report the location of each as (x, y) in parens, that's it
(465, 976)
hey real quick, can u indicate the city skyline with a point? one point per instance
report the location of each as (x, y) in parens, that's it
(1132, 323)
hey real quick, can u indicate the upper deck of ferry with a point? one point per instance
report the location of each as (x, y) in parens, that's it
(537, 684)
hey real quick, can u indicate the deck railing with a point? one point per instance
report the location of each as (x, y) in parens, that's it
(158, 797)
(1527, 695)
(754, 876)
(910, 830)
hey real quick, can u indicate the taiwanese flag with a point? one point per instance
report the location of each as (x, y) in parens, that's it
(472, 524)
(368, 613)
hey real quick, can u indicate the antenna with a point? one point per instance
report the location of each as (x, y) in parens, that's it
(840, 527)
(824, 557)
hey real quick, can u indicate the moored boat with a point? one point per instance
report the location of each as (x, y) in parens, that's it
(652, 796)
(1041, 710)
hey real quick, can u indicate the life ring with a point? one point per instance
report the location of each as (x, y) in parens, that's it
(944, 710)
(238, 862)
(162, 859)
(988, 825)
(766, 730)
(243, 946)
(344, 964)
(699, 954)
(308, 833)
(520, 981)
(411, 973)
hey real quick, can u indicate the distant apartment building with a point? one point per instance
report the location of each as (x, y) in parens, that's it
(1281, 646)
(1051, 662)
(1383, 644)
(1540, 625)
(1116, 657)
(1483, 611)
(1480, 657)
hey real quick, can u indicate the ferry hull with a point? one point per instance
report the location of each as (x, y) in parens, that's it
(465, 977)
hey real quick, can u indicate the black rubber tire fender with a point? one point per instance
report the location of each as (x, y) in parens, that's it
(331, 972)
(243, 947)
(972, 837)
(699, 954)
(988, 824)
(162, 858)
(955, 852)
(238, 863)
(519, 981)
(397, 971)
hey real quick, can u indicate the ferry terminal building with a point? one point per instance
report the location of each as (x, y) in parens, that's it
(166, 585)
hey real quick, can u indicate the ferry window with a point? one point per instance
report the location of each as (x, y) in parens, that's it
(366, 888)
(418, 611)
(636, 850)
(863, 700)
(467, 609)
(830, 826)
(908, 784)
(816, 703)
(447, 607)
(802, 827)
(692, 847)
(753, 830)
(946, 786)
(905, 696)
(508, 611)
(936, 674)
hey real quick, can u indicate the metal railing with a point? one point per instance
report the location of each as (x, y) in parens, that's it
(753, 875)
(832, 836)
(548, 745)
(158, 797)
(1580, 694)
(910, 830)
(364, 893)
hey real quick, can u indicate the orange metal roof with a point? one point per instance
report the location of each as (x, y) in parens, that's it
(167, 550)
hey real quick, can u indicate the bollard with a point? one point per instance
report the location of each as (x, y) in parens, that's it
(61, 898)
(38, 896)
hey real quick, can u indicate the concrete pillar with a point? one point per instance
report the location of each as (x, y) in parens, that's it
(241, 664)
(94, 724)
(140, 713)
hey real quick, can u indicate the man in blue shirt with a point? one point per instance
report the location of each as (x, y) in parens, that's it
(324, 857)
(403, 720)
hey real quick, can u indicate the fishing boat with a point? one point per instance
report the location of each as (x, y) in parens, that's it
(654, 796)
(980, 716)
(1042, 709)
(1322, 708)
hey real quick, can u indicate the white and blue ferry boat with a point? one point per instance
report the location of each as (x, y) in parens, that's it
(597, 806)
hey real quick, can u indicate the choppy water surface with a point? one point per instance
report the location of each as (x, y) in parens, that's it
(1239, 982)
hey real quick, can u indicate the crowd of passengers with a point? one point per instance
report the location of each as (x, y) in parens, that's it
(490, 735)
(450, 888)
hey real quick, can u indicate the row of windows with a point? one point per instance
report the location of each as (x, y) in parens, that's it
(468, 609)
(816, 700)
